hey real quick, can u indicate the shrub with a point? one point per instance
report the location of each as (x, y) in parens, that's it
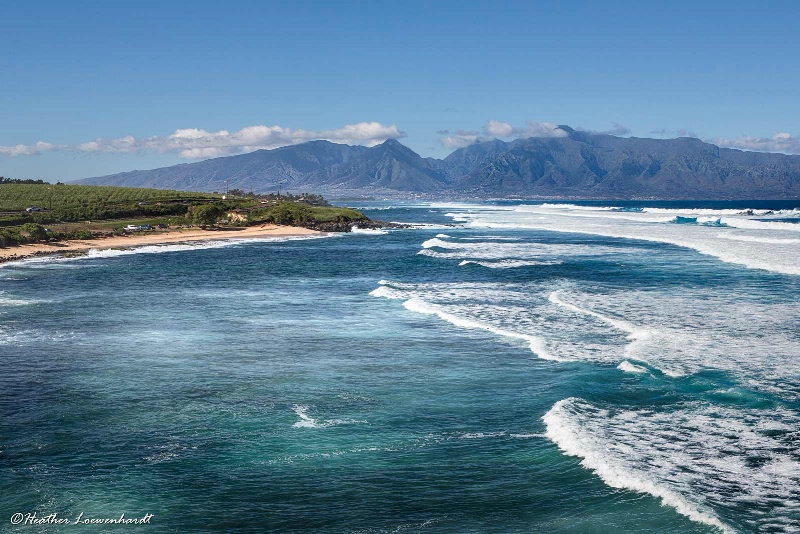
(83, 234)
(36, 232)
(9, 237)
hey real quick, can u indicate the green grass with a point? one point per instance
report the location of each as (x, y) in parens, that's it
(16, 197)
(66, 203)
(299, 214)
(328, 214)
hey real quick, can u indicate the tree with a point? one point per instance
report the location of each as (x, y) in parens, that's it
(205, 214)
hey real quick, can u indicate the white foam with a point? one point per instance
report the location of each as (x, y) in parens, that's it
(442, 236)
(758, 239)
(694, 212)
(635, 334)
(425, 226)
(571, 439)
(437, 242)
(619, 324)
(775, 253)
(536, 344)
(677, 331)
(306, 421)
(759, 225)
(386, 292)
(154, 249)
(368, 231)
(685, 331)
(5, 301)
(695, 458)
(544, 253)
(629, 367)
(41, 262)
(507, 264)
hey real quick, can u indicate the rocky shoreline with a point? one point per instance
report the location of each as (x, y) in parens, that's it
(36, 254)
(347, 226)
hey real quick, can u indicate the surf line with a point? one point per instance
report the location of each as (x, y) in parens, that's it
(536, 344)
(635, 335)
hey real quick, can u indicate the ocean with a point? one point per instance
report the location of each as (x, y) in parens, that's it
(498, 367)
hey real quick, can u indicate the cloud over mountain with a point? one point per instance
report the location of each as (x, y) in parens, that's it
(780, 142)
(501, 130)
(196, 143)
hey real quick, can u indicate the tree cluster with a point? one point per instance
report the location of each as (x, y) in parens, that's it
(4, 180)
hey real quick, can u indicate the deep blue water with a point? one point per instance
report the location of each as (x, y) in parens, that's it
(505, 376)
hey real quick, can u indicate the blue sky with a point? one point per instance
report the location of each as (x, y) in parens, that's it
(105, 87)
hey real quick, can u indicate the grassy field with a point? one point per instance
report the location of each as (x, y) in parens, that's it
(15, 197)
(82, 202)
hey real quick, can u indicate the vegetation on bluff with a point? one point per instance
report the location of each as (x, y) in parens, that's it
(33, 212)
(298, 214)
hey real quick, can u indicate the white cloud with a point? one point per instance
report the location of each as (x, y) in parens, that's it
(499, 129)
(531, 129)
(780, 142)
(540, 129)
(194, 143)
(460, 139)
(28, 150)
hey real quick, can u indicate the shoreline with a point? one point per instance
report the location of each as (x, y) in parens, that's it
(34, 250)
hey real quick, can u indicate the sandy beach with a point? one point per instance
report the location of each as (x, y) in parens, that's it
(152, 238)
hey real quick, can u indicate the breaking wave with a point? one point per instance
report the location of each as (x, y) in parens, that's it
(629, 367)
(368, 231)
(700, 460)
(678, 333)
(507, 264)
(635, 334)
(536, 344)
(769, 249)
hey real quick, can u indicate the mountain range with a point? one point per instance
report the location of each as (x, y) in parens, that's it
(577, 164)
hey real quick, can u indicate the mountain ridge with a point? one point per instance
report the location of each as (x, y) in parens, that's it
(577, 164)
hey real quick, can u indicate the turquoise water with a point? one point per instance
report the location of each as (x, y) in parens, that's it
(497, 368)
